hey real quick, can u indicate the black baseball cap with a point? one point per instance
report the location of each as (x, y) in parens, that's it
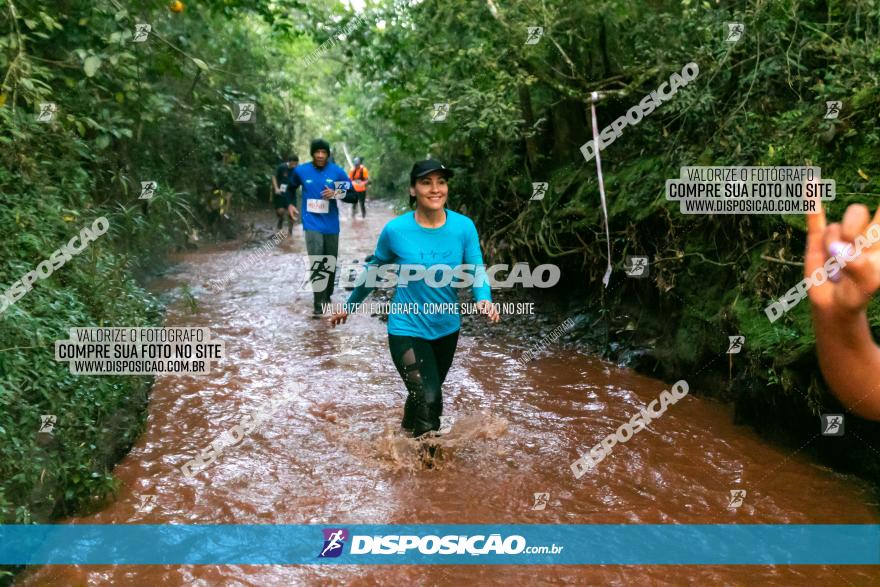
(423, 168)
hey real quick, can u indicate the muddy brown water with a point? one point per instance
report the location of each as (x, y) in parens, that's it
(333, 453)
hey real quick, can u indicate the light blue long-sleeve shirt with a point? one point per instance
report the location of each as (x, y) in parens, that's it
(404, 242)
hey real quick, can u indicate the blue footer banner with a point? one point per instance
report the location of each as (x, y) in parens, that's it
(587, 544)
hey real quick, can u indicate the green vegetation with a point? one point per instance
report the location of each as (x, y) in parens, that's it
(162, 110)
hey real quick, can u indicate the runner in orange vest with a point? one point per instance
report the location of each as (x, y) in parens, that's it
(360, 178)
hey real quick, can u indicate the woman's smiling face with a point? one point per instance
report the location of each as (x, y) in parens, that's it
(430, 191)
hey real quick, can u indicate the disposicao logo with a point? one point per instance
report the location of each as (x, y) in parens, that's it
(334, 540)
(394, 544)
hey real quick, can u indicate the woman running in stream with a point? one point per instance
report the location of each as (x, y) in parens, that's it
(422, 344)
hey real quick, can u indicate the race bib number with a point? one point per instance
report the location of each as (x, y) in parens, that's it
(283, 187)
(318, 206)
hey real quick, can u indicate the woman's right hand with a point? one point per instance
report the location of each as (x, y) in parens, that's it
(338, 318)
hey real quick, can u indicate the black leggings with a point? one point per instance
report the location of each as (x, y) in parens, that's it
(423, 365)
(361, 199)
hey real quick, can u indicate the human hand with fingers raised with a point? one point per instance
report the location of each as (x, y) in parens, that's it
(847, 253)
(848, 356)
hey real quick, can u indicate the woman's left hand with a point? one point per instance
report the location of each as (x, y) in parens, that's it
(488, 308)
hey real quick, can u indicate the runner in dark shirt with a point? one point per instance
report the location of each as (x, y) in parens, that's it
(285, 198)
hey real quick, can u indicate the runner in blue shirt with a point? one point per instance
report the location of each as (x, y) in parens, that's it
(421, 338)
(322, 184)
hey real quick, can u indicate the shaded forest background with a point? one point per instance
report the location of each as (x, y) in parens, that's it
(162, 110)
